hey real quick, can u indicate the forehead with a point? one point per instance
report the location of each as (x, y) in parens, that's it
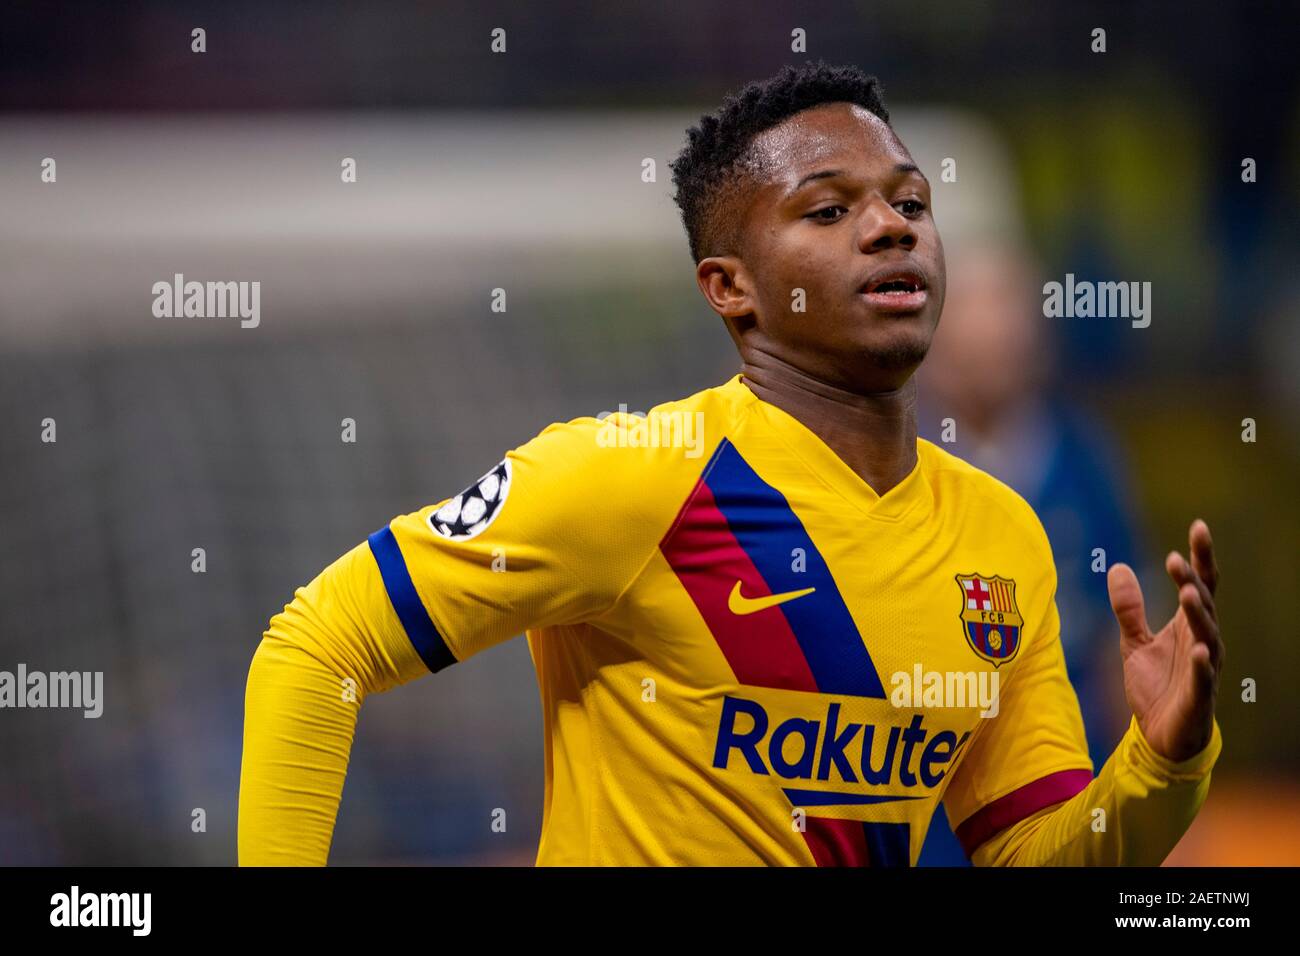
(844, 132)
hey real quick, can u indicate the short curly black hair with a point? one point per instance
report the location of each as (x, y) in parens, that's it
(715, 164)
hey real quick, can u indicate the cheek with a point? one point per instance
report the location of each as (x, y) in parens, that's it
(819, 281)
(794, 278)
(939, 269)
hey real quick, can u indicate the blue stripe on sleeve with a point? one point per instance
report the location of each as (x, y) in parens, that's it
(420, 629)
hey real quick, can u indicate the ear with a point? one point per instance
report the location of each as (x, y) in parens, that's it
(726, 286)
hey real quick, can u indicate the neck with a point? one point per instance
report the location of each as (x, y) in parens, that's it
(874, 433)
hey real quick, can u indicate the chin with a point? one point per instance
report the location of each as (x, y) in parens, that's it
(897, 353)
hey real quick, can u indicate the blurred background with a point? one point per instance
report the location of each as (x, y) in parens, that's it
(522, 171)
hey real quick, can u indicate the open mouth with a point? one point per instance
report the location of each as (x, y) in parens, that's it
(900, 284)
(896, 291)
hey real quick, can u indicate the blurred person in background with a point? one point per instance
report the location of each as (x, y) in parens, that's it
(990, 373)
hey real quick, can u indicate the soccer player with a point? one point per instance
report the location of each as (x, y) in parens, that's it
(764, 618)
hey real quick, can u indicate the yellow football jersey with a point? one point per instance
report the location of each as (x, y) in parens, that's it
(745, 655)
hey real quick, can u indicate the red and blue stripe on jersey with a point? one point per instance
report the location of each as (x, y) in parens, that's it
(736, 527)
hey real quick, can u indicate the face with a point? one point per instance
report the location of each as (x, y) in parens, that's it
(841, 213)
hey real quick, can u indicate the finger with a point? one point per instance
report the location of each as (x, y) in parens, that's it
(1218, 650)
(1183, 573)
(1204, 673)
(1126, 602)
(1202, 625)
(1201, 547)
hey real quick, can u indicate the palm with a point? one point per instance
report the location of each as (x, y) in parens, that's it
(1171, 675)
(1159, 683)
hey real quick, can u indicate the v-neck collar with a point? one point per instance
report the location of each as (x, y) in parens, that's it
(821, 460)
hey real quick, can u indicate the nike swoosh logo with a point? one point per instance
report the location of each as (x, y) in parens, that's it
(740, 605)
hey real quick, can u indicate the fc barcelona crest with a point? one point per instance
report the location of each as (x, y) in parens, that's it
(989, 616)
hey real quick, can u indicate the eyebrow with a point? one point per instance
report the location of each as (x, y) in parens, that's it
(899, 169)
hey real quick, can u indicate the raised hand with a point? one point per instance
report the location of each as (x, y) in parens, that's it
(1171, 677)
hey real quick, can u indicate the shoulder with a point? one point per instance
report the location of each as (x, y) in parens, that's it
(625, 463)
(626, 444)
(973, 495)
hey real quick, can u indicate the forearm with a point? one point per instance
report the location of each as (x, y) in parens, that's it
(1148, 802)
(297, 738)
(337, 641)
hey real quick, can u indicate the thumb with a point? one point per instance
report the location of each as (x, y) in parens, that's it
(1126, 602)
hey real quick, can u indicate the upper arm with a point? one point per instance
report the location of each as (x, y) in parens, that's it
(344, 620)
(1033, 753)
(550, 535)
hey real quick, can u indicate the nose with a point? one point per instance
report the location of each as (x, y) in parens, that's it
(885, 227)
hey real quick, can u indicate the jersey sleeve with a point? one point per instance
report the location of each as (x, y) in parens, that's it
(1024, 793)
(1034, 752)
(1132, 814)
(335, 643)
(550, 535)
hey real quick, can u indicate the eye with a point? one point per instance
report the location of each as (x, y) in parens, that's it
(917, 207)
(819, 217)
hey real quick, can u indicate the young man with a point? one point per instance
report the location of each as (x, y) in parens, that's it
(766, 620)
